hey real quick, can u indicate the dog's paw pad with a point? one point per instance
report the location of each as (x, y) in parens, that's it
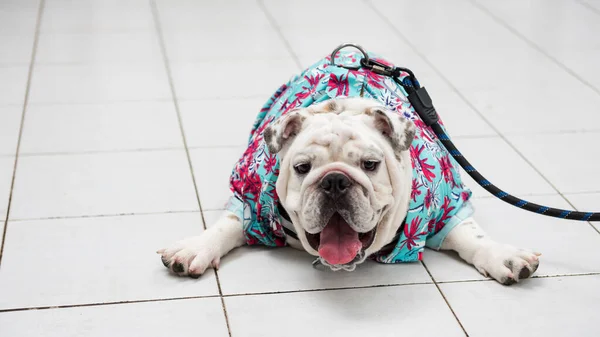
(178, 267)
(195, 275)
(506, 264)
(508, 280)
(190, 257)
(524, 273)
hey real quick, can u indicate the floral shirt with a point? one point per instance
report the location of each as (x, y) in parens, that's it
(438, 199)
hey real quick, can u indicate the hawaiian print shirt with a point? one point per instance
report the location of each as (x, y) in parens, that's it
(438, 199)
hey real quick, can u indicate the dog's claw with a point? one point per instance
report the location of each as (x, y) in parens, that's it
(524, 273)
(215, 263)
(509, 281)
(178, 267)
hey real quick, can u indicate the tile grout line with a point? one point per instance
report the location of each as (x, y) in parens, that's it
(212, 147)
(66, 306)
(534, 277)
(108, 215)
(468, 103)
(283, 292)
(136, 61)
(138, 100)
(562, 66)
(100, 152)
(531, 44)
(588, 6)
(25, 102)
(100, 304)
(114, 215)
(277, 29)
(206, 147)
(165, 57)
(93, 216)
(118, 151)
(445, 299)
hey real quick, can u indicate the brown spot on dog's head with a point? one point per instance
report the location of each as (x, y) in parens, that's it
(409, 132)
(269, 135)
(331, 106)
(397, 129)
(283, 130)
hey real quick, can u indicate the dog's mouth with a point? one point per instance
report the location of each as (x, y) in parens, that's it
(338, 243)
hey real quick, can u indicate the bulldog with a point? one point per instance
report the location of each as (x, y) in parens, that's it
(339, 165)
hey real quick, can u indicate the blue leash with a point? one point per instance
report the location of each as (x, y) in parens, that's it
(421, 102)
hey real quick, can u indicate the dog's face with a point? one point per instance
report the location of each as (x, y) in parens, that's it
(343, 169)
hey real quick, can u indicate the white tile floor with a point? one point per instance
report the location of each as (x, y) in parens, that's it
(103, 175)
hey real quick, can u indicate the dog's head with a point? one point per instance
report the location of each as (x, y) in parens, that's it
(345, 174)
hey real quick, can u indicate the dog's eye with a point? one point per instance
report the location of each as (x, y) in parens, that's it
(303, 168)
(370, 165)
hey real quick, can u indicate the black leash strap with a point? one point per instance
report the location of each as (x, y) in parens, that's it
(421, 102)
(423, 105)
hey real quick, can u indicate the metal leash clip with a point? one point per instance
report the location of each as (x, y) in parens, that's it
(344, 45)
(380, 68)
(366, 62)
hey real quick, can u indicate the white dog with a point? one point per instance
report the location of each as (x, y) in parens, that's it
(340, 165)
(345, 181)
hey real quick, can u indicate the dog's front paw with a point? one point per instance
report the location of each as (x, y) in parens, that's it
(192, 256)
(505, 263)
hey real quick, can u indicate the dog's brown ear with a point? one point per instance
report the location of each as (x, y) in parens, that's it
(397, 129)
(284, 129)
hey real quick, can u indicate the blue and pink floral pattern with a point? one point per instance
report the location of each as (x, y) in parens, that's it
(438, 199)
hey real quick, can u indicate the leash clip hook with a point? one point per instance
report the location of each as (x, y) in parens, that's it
(379, 68)
(344, 45)
(366, 62)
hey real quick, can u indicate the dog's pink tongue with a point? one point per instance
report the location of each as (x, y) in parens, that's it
(339, 243)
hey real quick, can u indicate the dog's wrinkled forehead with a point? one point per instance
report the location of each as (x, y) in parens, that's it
(332, 131)
(338, 121)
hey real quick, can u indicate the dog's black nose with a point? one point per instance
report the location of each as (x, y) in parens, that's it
(335, 184)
